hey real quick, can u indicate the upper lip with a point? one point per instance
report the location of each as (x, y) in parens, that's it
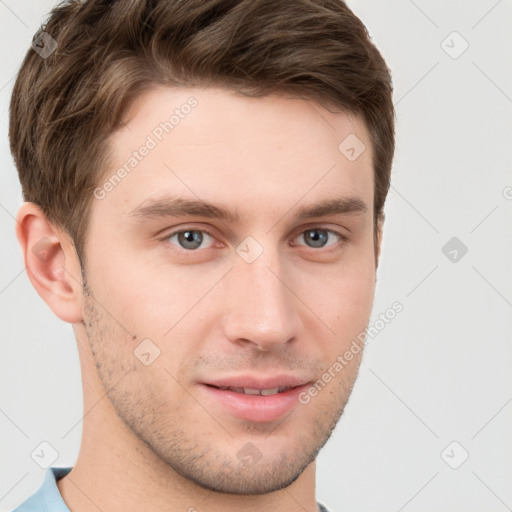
(258, 382)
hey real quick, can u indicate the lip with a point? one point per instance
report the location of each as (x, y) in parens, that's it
(256, 408)
(255, 382)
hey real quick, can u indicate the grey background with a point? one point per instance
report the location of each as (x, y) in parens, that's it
(439, 372)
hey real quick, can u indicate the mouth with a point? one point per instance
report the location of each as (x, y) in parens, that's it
(262, 400)
(255, 391)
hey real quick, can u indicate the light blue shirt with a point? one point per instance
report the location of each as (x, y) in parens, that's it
(48, 498)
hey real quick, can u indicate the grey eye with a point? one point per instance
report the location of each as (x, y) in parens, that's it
(189, 239)
(318, 237)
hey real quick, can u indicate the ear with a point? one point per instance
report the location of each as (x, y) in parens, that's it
(51, 262)
(378, 238)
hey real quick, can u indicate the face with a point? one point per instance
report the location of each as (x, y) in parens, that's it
(227, 269)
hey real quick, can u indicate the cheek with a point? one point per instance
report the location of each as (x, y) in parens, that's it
(341, 295)
(154, 302)
(130, 288)
(356, 295)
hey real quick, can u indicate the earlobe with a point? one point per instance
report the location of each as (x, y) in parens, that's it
(51, 262)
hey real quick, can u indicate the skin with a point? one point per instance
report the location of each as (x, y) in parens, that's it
(151, 435)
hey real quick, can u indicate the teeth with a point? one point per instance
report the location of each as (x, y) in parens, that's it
(254, 391)
(251, 391)
(273, 391)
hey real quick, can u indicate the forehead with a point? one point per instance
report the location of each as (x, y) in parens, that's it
(218, 146)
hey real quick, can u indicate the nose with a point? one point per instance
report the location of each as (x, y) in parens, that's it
(260, 309)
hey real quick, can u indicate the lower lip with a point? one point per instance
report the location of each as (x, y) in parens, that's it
(256, 407)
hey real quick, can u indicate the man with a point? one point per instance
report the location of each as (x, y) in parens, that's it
(204, 186)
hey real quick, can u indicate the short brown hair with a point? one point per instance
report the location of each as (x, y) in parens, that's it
(65, 106)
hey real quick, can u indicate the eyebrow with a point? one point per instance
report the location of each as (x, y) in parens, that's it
(179, 207)
(338, 206)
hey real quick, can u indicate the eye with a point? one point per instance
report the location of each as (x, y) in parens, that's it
(190, 239)
(320, 237)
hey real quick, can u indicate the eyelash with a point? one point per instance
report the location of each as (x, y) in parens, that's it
(328, 249)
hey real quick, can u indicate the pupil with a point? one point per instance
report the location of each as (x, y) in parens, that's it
(190, 239)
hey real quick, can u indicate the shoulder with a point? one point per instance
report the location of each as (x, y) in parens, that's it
(47, 498)
(321, 507)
